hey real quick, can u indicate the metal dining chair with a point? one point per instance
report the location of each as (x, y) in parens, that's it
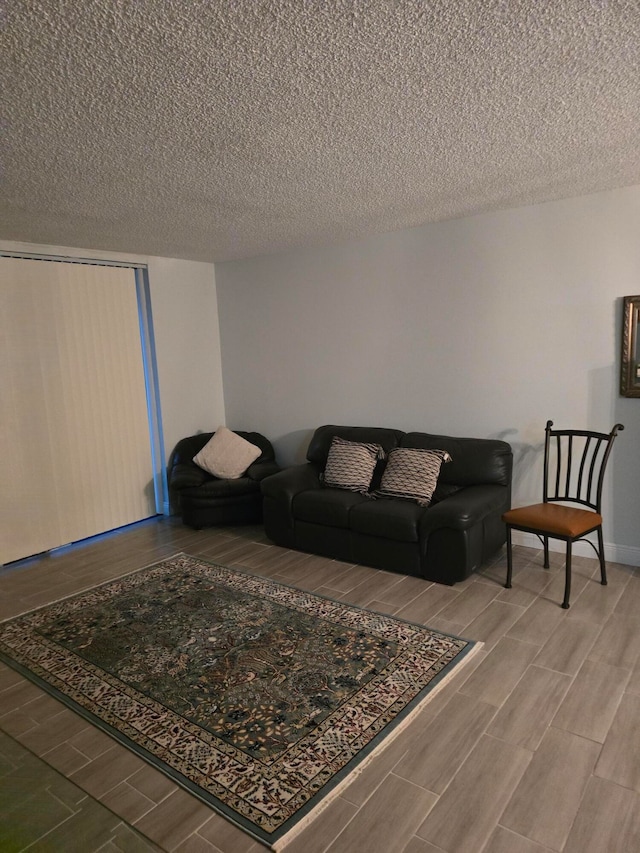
(574, 467)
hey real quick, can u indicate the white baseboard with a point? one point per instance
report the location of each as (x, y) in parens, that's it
(626, 554)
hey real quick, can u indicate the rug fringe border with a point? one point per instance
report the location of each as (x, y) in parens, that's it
(308, 819)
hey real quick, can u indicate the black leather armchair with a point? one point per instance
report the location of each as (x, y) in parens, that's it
(203, 500)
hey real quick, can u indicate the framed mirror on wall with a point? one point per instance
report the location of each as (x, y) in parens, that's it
(630, 359)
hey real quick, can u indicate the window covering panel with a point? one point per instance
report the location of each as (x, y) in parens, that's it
(73, 420)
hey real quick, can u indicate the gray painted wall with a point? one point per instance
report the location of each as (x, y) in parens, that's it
(485, 326)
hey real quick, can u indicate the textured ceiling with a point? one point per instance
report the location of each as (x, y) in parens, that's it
(216, 130)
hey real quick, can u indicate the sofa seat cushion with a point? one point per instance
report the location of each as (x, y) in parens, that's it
(388, 519)
(331, 507)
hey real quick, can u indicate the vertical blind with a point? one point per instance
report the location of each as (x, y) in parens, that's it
(74, 427)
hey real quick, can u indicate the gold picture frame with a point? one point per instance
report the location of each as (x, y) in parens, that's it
(630, 356)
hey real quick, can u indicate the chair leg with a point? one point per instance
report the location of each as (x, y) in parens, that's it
(603, 568)
(545, 542)
(509, 559)
(567, 583)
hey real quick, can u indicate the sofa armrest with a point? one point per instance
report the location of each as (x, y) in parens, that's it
(259, 470)
(285, 485)
(465, 508)
(187, 476)
(278, 494)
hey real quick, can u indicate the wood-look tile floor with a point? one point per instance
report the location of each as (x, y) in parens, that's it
(533, 746)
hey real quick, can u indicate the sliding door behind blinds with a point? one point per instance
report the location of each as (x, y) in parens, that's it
(73, 415)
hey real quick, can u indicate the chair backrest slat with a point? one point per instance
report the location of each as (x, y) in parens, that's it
(574, 465)
(585, 454)
(592, 468)
(569, 452)
(558, 463)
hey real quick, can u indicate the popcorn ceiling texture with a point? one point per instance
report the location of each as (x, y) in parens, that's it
(217, 130)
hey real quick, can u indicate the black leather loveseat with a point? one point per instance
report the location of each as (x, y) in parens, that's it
(444, 542)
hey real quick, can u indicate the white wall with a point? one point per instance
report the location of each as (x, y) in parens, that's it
(485, 326)
(185, 319)
(185, 322)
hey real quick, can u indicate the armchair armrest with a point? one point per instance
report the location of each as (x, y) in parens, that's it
(186, 476)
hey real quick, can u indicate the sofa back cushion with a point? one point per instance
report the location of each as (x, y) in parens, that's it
(320, 443)
(475, 461)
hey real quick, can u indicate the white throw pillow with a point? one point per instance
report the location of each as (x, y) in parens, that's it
(227, 455)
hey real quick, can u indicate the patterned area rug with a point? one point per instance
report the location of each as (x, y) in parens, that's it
(261, 699)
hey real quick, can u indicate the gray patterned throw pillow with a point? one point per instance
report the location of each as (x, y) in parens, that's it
(412, 473)
(350, 464)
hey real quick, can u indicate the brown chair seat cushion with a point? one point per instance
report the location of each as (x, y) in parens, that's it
(554, 519)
